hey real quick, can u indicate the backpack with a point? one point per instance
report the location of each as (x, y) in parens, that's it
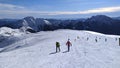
(57, 44)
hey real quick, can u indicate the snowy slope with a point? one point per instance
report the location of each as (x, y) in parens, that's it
(38, 51)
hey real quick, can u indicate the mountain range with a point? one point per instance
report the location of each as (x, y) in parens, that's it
(98, 23)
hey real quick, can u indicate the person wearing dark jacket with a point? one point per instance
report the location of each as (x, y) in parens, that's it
(57, 46)
(68, 43)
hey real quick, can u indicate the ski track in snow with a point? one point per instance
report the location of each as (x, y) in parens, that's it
(38, 51)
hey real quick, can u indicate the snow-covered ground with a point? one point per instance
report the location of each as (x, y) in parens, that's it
(89, 50)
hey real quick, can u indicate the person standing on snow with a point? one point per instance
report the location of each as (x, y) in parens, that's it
(57, 46)
(68, 44)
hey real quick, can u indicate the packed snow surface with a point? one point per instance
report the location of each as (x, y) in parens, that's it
(88, 50)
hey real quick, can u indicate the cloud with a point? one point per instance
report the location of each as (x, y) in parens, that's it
(32, 12)
(101, 10)
(10, 7)
(91, 11)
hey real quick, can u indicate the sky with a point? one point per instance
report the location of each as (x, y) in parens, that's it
(58, 8)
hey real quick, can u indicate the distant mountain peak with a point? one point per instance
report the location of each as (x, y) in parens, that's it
(103, 17)
(29, 17)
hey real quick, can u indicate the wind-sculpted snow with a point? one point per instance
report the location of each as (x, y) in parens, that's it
(6, 31)
(88, 50)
